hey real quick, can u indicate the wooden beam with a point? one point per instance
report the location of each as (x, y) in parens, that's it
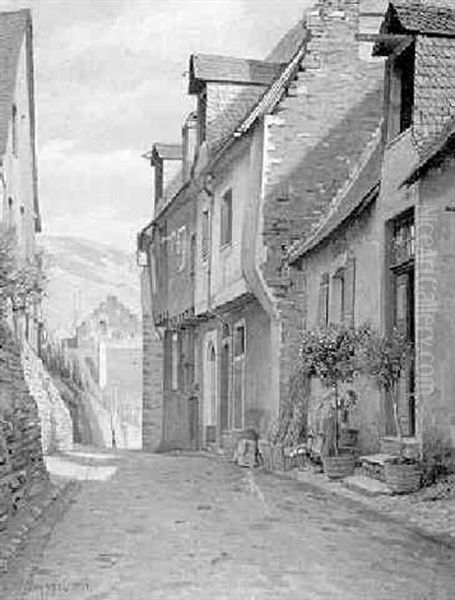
(381, 37)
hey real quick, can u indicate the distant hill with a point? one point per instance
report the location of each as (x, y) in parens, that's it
(81, 274)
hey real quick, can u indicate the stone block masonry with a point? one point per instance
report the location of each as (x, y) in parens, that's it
(21, 457)
(55, 418)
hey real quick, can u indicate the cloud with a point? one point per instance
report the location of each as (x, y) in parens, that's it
(99, 196)
(109, 82)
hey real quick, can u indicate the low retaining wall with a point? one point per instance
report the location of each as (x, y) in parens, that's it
(22, 469)
(55, 418)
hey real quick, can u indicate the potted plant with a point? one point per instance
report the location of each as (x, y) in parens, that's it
(385, 359)
(330, 355)
(348, 434)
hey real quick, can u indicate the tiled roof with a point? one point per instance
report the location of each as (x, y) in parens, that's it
(434, 104)
(266, 91)
(426, 17)
(276, 90)
(286, 47)
(171, 190)
(432, 148)
(210, 67)
(12, 29)
(168, 151)
(226, 122)
(358, 194)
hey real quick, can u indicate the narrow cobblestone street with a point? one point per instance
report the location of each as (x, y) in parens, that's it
(168, 527)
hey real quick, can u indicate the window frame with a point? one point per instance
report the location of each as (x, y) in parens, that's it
(205, 235)
(14, 131)
(226, 218)
(324, 300)
(238, 359)
(174, 357)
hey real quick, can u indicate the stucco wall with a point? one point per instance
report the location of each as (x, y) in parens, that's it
(19, 169)
(363, 240)
(435, 303)
(227, 279)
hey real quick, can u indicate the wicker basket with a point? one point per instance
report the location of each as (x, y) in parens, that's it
(338, 467)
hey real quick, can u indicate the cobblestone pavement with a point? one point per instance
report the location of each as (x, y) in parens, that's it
(431, 518)
(190, 527)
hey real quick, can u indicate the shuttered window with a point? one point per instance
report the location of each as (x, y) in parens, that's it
(348, 294)
(323, 316)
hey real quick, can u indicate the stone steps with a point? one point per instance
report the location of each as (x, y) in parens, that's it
(366, 486)
(373, 465)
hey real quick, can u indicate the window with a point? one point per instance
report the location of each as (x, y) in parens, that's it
(205, 235)
(348, 294)
(174, 361)
(14, 129)
(401, 93)
(323, 316)
(226, 219)
(10, 212)
(202, 116)
(239, 340)
(403, 242)
(238, 387)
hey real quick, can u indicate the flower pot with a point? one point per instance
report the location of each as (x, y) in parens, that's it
(403, 478)
(338, 467)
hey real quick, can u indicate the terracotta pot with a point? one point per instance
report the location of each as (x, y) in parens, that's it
(338, 467)
(403, 478)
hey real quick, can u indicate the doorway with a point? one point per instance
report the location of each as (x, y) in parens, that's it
(224, 386)
(403, 278)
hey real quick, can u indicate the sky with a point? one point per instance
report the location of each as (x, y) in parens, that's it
(111, 80)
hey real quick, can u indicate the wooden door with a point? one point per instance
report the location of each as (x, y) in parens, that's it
(224, 389)
(405, 321)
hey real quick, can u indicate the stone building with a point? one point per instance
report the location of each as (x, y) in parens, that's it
(33, 418)
(108, 346)
(269, 145)
(384, 252)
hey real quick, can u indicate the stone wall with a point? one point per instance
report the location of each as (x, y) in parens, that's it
(21, 458)
(152, 374)
(55, 418)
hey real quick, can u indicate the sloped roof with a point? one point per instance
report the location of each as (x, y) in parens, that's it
(432, 148)
(358, 194)
(276, 90)
(168, 151)
(434, 87)
(425, 17)
(286, 47)
(12, 30)
(211, 67)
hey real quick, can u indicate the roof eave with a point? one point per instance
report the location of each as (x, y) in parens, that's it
(301, 250)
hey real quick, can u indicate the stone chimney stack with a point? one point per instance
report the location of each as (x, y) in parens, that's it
(371, 14)
(189, 144)
(167, 161)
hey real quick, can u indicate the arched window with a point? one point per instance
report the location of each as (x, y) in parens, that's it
(226, 331)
